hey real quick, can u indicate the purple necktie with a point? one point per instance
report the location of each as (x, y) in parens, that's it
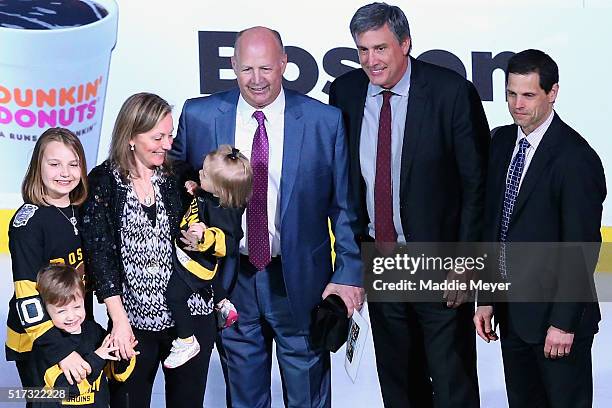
(384, 230)
(257, 210)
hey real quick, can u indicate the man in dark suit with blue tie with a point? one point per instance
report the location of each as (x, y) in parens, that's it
(300, 180)
(545, 185)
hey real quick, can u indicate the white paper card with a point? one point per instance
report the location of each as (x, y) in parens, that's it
(355, 344)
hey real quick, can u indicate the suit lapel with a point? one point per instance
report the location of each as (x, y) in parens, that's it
(225, 122)
(292, 148)
(503, 156)
(356, 108)
(417, 100)
(540, 161)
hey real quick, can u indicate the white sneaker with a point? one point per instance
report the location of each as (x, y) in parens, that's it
(181, 352)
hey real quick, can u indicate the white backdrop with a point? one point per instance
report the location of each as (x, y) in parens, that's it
(157, 48)
(158, 51)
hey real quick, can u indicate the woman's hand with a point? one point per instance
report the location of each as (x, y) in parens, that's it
(74, 367)
(123, 339)
(122, 334)
(193, 236)
(197, 229)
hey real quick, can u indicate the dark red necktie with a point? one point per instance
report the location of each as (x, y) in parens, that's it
(385, 235)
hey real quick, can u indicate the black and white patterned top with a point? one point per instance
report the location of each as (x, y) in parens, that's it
(146, 254)
(106, 244)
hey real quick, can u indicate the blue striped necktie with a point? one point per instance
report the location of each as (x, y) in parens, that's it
(512, 189)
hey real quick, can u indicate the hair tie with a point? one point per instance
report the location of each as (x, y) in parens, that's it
(233, 154)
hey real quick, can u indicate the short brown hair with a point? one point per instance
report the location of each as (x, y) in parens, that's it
(59, 284)
(231, 174)
(140, 113)
(33, 189)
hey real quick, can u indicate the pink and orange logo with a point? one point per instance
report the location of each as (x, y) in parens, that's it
(43, 108)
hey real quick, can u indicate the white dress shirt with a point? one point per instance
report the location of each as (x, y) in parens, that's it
(534, 139)
(246, 125)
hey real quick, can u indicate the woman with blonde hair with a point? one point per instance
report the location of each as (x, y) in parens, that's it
(131, 219)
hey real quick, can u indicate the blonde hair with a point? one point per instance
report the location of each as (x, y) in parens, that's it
(33, 189)
(140, 113)
(59, 284)
(231, 174)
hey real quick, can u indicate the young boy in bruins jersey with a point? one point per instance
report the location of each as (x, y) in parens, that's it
(62, 291)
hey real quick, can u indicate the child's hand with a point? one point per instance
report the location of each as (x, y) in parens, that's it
(133, 344)
(197, 229)
(191, 186)
(107, 351)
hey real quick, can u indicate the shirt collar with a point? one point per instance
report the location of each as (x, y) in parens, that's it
(401, 88)
(534, 138)
(271, 111)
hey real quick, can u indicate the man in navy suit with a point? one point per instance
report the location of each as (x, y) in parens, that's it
(546, 185)
(306, 161)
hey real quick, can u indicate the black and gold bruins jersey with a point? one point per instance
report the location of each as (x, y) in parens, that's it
(38, 235)
(92, 391)
(221, 238)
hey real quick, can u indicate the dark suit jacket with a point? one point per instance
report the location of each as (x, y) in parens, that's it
(314, 186)
(560, 200)
(444, 153)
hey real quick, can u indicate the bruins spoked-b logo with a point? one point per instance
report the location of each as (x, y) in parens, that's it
(24, 214)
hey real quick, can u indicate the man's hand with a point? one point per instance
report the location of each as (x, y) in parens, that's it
(482, 321)
(455, 298)
(558, 343)
(75, 367)
(352, 296)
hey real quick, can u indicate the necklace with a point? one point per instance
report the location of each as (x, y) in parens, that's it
(72, 220)
(148, 195)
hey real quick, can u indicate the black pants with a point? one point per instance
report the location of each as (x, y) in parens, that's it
(425, 354)
(533, 381)
(185, 385)
(26, 376)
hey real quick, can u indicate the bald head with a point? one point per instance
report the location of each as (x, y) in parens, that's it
(259, 35)
(259, 63)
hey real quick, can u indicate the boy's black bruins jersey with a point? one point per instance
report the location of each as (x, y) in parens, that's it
(92, 391)
(38, 236)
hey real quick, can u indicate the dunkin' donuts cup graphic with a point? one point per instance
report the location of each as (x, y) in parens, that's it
(54, 62)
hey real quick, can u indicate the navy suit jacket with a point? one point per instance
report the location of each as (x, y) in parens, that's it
(314, 186)
(560, 200)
